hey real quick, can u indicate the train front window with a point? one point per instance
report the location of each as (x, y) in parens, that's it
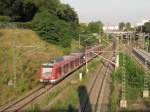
(47, 70)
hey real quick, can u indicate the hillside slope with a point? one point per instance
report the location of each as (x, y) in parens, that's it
(28, 60)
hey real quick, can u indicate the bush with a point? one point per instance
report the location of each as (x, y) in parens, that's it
(134, 73)
(53, 21)
(51, 29)
(5, 19)
(21, 86)
(23, 24)
(4, 79)
(18, 10)
(134, 81)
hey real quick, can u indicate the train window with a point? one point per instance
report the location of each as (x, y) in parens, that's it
(47, 70)
(72, 64)
(62, 70)
(69, 66)
(76, 62)
(66, 68)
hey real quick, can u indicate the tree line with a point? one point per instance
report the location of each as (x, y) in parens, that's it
(125, 26)
(144, 28)
(53, 21)
(91, 32)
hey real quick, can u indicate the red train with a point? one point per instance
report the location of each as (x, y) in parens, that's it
(55, 71)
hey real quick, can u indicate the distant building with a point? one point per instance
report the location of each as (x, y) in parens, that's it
(110, 28)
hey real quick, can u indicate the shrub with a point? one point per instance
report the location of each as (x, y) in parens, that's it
(5, 19)
(51, 29)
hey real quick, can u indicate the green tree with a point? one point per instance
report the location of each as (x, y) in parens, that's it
(67, 13)
(87, 30)
(128, 26)
(95, 27)
(53, 30)
(121, 26)
(53, 21)
(147, 27)
(18, 10)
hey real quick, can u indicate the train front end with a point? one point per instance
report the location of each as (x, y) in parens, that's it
(47, 73)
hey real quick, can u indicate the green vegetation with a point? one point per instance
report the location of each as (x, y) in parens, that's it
(95, 27)
(125, 26)
(147, 27)
(91, 33)
(128, 26)
(144, 28)
(134, 81)
(121, 26)
(57, 30)
(114, 99)
(18, 10)
(53, 21)
(28, 61)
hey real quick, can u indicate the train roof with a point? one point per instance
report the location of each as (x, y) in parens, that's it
(47, 64)
(61, 59)
(66, 58)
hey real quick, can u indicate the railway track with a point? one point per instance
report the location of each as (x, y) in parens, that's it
(95, 91)
(22, 102)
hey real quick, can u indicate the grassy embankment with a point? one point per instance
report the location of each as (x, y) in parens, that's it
(68, 93)
(134, 83)
(28, 60)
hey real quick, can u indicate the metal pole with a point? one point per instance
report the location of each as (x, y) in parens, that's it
(123, 102)
(14, 62)
(143, 41)
(86, 60)
(79, 41)
(99, 34)
(148, 43)
(141, 28)
(117, 61)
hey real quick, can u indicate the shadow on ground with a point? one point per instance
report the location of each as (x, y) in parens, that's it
(83, 105)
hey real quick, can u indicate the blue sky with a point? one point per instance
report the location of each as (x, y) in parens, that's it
(111, 12)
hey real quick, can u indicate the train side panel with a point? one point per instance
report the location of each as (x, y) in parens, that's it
(69, 64)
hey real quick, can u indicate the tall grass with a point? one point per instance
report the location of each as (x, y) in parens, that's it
(28, 60)
(134, 81)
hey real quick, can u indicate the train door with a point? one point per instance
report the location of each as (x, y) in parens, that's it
(62, 69)
(66, 68)
(77, 62)
(72, 65)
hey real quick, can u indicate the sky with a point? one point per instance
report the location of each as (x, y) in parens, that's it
(111, 12)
